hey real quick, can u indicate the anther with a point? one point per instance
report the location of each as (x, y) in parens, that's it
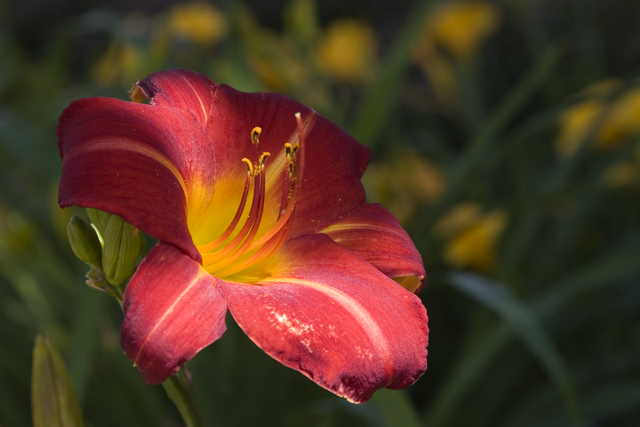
(255, 134)
(250, 169)
(261, 162)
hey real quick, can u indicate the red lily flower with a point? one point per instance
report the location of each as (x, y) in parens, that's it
(259, 210)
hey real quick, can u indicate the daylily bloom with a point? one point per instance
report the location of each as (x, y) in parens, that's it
(257, 204)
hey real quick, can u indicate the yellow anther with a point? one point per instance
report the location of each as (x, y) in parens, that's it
(290, 149)
(259, 166)
(249, 166)
(255, 134)
(263, 157)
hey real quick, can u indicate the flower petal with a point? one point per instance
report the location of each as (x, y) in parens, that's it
(135, 161)
(172, 310)
(376, 235)
(335, 161)
(182, 89)
(329, 314)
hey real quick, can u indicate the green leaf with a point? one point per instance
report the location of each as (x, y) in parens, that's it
(379, 99)
(53, 397)
(527, 326)
(476, 360)
(486, 138)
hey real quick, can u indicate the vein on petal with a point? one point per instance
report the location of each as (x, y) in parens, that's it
(359, 226)
(167, 312)
(205, 113)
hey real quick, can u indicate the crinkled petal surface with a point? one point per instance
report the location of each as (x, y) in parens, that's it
(329, 314)
(376, 235)
(172, 310)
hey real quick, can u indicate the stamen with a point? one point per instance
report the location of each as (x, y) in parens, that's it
(213, 257)
(269, 248)
(255, 134)
(242, 250)
(249, 166)
(261, 162)
(234, 222)
(237, 246)
(291, 191)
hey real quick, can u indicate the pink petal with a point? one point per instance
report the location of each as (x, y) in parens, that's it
(376, 235)
(172, 310)
(329, 314)
(136, 161)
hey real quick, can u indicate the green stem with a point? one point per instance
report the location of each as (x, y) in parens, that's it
(179, 388)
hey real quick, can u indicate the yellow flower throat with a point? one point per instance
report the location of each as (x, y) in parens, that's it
(239, 246)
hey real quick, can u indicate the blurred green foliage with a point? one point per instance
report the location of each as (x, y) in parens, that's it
(505, 136)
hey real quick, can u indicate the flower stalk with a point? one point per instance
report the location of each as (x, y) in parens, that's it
(179, 388)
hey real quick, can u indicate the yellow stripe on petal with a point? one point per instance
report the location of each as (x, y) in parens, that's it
(131, 146)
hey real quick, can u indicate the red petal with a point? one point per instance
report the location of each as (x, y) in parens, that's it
(376, 235)
(172, 310)
(198, 132)
(133, 160)
(334, 163)
(329, 314)
(182, 89)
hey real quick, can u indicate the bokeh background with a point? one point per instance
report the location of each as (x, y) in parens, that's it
(505, 137)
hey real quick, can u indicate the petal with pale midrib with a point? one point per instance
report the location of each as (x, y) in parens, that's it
(327, 313)
(172, 310)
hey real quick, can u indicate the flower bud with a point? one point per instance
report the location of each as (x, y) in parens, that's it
(99, 219)
(120, 250)
(53, 397)
(84, 240)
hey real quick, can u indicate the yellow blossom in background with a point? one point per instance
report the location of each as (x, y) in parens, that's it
(471, 236)
(575, 123)
(462, 26)
(623, 121)
(610, 124)
(405, 183)
(477, 246)
(455, 30)
(346, 50)
(457, 219)
(198, 22)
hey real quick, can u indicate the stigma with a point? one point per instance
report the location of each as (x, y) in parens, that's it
(239, 246)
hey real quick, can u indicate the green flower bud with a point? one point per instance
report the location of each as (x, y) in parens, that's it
(99, 219)
(84, 240)
(53, 398)
(120, 250)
